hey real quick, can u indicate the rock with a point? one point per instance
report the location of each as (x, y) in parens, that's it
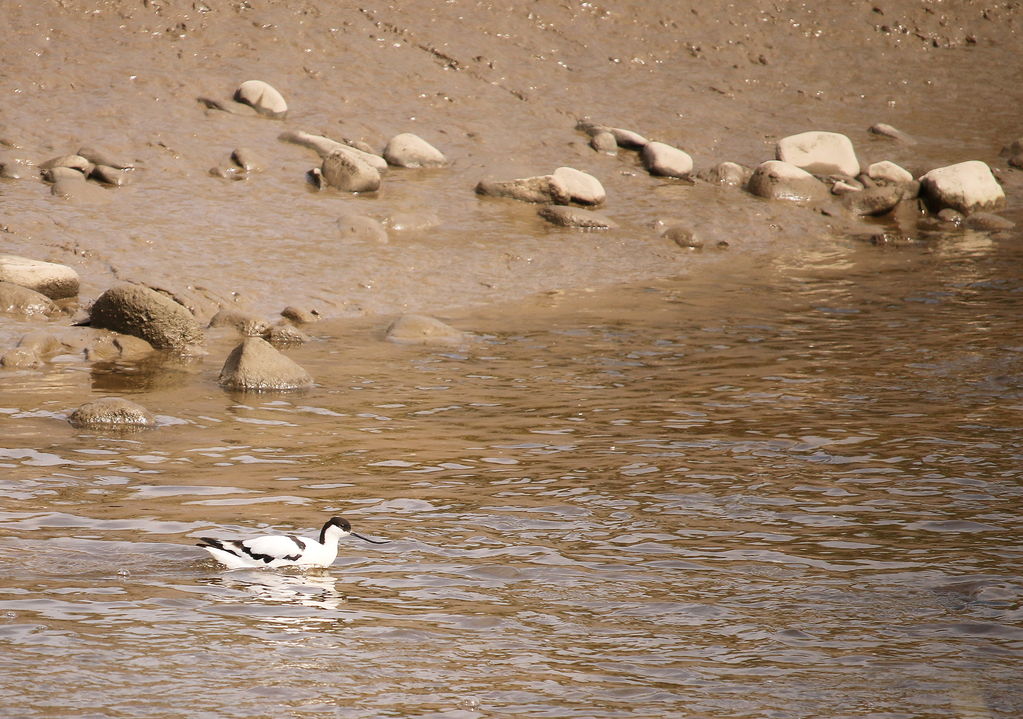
(985, 221)
(324, 146)
(580, 187)
(48, 278)
(950, 216)
(14, 167)
(110, 175)
(75, 162)
(604, 141)
(682, 236)
(777, 180)
(361, 228)
(18, 300)
(1016, 161)
(255, 366)
(142, 312)
(820, 153)
(889, 172)
(542, 189)
(60, 174)
(966, 187)
(100, 156)
(263, 98)
(623, 138)
(40, 342)
(300, 315)
(420, 329)
(888, 131)
(666, 161)
(564, 216)
(348, 173)
(248, 323)
(726, 173)
(112, 412)
(248, 160)
(19, 358)
(1013, 148)
(873, 200)
(285, 336)
(408, 150)
(844, 187)
(415, 221)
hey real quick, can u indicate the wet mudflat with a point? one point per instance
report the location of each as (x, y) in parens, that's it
(786, 485)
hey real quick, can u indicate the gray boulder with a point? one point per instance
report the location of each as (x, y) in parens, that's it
(256, 366)
(966, 187)
(112, 412)
(420, 329)
(777, 180)
(18, 300)
(53, 280)
(820, 153)
(346, 172)
(408, 150)
(140, 311)
(262, 97)
(666, 161)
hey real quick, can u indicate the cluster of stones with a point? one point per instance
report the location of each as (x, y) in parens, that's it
(69, 175)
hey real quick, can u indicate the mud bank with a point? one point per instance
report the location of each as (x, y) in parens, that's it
(499, 91)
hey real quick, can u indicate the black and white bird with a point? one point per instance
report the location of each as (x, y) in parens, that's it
(283, 550)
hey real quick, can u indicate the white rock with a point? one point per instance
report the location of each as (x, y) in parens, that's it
(966, 187)
(47, 278)
(821, 153)
(262, 97)
(777, 180)
(889, 172)
(580, 186)
(324, 146)
(665, 160)
(408, 150)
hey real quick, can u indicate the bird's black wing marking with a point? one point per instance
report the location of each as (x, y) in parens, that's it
(215, 543)
(300, 543)
(267, 558)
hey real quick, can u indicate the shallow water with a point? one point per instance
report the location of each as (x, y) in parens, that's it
(784, 486)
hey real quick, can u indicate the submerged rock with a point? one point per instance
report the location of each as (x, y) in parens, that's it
(256, 366)
(682, 236)
(362, 228)
(247, 323)
(420, 329)
(112, 412)
(564, 216)
(301, 315)
(540, 189)
(18, 300)
(143, 312)
(262, 97)
(820, 153)
(408, 150)
(248, 160)
(966, 187)
(48, 278)
(988, 222)
(777, 180)
(666, 161)
(20, 358)
(604, 141)
(726, 173)
(885, 130)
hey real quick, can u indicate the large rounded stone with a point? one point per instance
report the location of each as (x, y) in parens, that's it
(966, 187)
(262, 97)
(408, 150)
(53, 280)
(143, 312)
(112, 412)
(18, 300)
(887, 171)
(820, 153)
(420, 329)
(778, 180)
(348, 173)
(255, 366)
(666, 161)
(581, 187)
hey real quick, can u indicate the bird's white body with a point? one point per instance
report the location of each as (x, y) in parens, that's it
(282, 550)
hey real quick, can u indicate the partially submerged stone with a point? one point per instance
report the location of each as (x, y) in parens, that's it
(256, 366)
(565, 216)
(421, 329)
(777, 180)
(819, 153)
(966, 187)
(683, 236)
(247, 323)
(889, 172)
(48, 278)
(348, 173)
(666, 161)
(726, 173)
(874, 200)
(361, 228)
(581, 187)
(143, 312)
(301, 315)
(248, 160)
(540, 189)
(408, 150)
(20, 358)
(885, 130)
(605, 142)
(324, 146)
(988, 222)
(18, 300)
(112, 413)
(262, 97)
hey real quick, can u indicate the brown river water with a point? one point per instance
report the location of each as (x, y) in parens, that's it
(779, 479)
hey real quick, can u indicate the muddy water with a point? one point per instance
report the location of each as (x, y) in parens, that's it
(787, 486)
